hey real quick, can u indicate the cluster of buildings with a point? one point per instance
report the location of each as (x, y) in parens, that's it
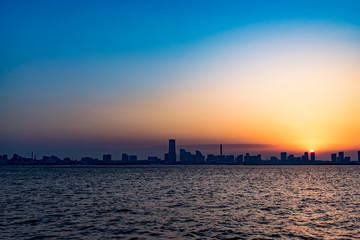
(292, 160)
(185, 158)
(341, 159)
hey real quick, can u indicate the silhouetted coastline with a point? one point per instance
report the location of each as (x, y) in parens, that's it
(186, 158)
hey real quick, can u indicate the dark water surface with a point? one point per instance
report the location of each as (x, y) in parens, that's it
(179, 202)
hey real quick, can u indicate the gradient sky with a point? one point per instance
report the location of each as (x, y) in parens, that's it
(88, 77)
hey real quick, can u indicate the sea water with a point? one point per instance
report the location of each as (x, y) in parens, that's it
(179, 202)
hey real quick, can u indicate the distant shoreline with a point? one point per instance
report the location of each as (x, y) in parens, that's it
(78, 163)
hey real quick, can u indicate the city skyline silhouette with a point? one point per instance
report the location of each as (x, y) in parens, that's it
(184, 157)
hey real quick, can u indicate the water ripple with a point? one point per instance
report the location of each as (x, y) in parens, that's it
(180, 202)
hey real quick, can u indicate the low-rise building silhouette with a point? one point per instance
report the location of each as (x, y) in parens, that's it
(125, 158)
(107, 157)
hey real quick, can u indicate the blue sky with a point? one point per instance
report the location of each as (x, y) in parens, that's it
(43, 30)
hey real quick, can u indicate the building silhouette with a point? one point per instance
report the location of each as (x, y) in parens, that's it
(172, 151)
(125, 158)
(133, 159)
(283, 157)
(255, 159)
(107, 157)
(199, 159)
(239, 159)
(334, 158)
(306, 157)
(359, 156)
(341, 158)
(183, 157)
(312, 156)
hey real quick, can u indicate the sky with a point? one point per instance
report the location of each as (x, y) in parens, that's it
(80, 78)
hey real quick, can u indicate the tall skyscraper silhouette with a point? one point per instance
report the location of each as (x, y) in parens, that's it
(312, 156)
(341, 159)
(172, 151)
(358, 156)
(220, 149)
(306, 156)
